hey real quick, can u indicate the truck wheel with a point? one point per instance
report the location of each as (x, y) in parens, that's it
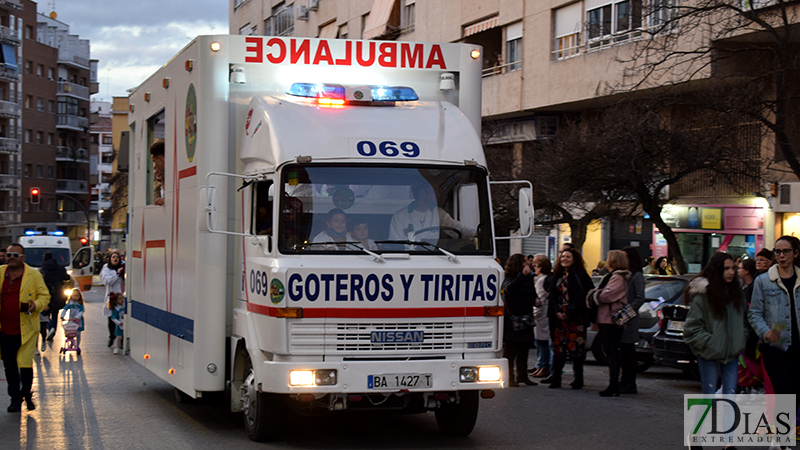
(182, 397)
(458, 419)
(262, 414)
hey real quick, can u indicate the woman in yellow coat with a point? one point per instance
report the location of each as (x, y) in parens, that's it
(24, 295)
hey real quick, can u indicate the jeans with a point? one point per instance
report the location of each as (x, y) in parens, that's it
(544, 359)
(710, 370)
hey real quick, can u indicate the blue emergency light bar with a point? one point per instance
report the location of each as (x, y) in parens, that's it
(336, 91)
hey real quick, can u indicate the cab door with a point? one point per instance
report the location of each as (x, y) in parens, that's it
(82, 268)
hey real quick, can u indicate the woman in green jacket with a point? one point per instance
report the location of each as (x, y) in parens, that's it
(715, 325)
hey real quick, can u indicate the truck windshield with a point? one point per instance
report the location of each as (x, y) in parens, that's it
(348, 208)
(34, 255)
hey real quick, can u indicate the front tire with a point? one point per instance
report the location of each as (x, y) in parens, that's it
(458, 419)
(262, 411)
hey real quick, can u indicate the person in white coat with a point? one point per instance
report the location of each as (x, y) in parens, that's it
(422, 219)
(112, 275)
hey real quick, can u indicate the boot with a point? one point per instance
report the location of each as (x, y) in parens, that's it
(577, 367)
(15, 406)
(543, 372)
(29, 402)
(534, 372)
(523, 379)
(558, 367)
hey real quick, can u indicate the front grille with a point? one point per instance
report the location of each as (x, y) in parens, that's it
(308, 337)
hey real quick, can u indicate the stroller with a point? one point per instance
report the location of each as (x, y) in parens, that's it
(70, 326)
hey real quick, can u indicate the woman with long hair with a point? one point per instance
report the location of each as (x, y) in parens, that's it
(567, 313)
(630, 335)
(611, 296)
(661, 266)
(714, 328)
(113, 276)
(518, 293)
(774, 316)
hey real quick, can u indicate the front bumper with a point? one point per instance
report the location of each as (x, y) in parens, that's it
(352, 376)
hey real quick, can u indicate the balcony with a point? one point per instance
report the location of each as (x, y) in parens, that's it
(8, 74)
(14, 4)
(73, 90)
(9, 146)
(9, 36)
(9, 182)
(70, 154)
(72, 187)
(73, 59)
(9, 110)
(71, 122)
(9, 217)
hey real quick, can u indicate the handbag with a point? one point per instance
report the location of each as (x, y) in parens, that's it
(623, 315)
(522, 322)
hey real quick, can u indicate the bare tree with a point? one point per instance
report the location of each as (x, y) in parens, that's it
(745, 48)
(628, 154)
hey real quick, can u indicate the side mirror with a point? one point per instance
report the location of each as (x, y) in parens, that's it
(525, 211)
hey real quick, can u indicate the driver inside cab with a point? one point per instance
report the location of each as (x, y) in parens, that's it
(423, 218)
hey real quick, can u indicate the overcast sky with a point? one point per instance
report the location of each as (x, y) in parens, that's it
(133, 38)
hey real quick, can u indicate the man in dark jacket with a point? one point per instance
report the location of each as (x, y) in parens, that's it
(54, 277)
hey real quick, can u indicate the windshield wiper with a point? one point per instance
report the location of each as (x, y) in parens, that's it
(450, 256)
(352, 244)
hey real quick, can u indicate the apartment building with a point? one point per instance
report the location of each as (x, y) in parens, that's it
(543, 60)
(57, 81)
(101, 157)
(10, 117)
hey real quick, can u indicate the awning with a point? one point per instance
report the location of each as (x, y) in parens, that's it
(481, 26)
(378, 19)
(329, 31)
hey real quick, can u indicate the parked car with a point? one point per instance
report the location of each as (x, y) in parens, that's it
(659, 291)
(669, 348)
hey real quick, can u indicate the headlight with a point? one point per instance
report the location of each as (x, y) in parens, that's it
(489, 373)
(486, 374)
(319, 377)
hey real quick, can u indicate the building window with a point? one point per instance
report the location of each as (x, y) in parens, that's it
(28, 101)
(40, 70)
(50, 138)
(39, 137)
(618, 19)
(28, 169)
(364, 23)
(40, 104)
(660, 12)
(28, 32)
(39, 171)
(51, 106)
(28, 134)
(567, 31)
(51, 172)
(246, 30)
(283, 20)
(28, 66)
(514, 46)
(107, 139)
(408, 18)
(343, 32)
(51, 74)
(51, 205)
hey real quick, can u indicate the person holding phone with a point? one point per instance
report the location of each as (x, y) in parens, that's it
(24, 296)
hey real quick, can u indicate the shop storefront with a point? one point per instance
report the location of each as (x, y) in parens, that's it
(703, 230)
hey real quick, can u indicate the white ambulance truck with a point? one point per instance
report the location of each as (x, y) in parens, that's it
(79, 266)
(325, 240)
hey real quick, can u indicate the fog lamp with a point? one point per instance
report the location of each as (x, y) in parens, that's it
(325, 377)
(301, 378)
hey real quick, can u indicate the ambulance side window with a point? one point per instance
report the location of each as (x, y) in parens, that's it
(155, 164)
(263, 200)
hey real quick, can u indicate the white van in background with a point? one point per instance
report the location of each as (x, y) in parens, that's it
(79, 265)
